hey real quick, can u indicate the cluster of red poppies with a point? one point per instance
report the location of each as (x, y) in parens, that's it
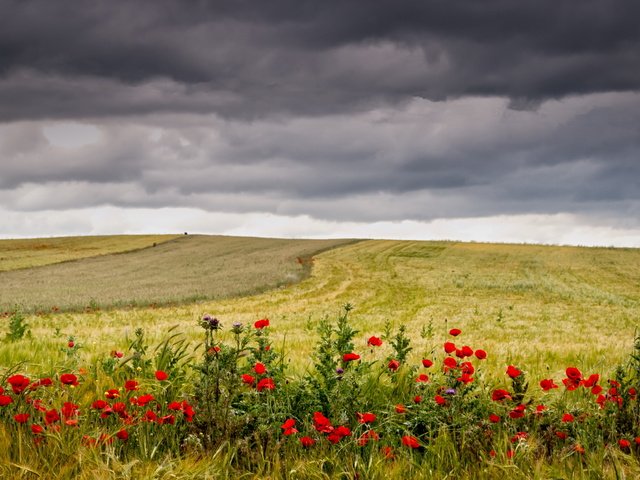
(46, 405)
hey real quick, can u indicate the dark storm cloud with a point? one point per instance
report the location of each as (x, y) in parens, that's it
(247, 59)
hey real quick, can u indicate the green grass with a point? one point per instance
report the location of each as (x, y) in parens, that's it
(541, 308)
(185, 269)
(36, 252)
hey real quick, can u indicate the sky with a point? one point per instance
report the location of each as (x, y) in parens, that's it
(487, 121)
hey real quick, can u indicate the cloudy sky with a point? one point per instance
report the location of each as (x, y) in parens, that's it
(474, 120)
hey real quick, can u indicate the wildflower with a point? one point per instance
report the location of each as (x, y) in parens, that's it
(520, 436)
(481, 354)
(401, 408)
(547, 384)
(450, 362)
(465, 351)
(349, 357)
(387, 451)
(591, 381)
(393, 365)
(510, 453)
(450, 391)
(51, 416)
(321, 423)
(374, 342)
(513, 372)
(266, 384)
(493, 418)
(18, 383)
(367, 417)
(540, 408)
(167, 420)
(454, 332)
(99, 404)
(69, 410)
(624, 443)
(236, 327)
(417, 399)
(210, 323)
(410, 441)
(578, 448)
(260, 324)
(574, 377)
(112, 393)
(21, 417)
(248, 379)
(499, 395)
(338, 434)
(71, 344)
(517, 412)
(567, 418)
(69, 379)
(307, 442)
(422, 378)
(596, 389)
(426, 363)
(117, 354)
(259, 368)
(467, 367)
(5, 400)
(288, 427)
(465, 378)
(122, 435)
(174, 406)
(37, 429)
(150, 416)
(161, 376)
(449, 347)
(561, 435)
(131, 385)
(143, 400)
(440, 400)
(339, 371)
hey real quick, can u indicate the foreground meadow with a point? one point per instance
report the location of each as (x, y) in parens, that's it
(329, 374)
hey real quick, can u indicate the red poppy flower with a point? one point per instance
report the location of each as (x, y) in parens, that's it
(540, 408)
(374, 342)
(493, 418)
(131, 385)
(547, 384)
(69, 379)
(248, 379)
(261, 323)
(481, 354)
(288, 427)
(259, 368)
(51, 416)
(321, 423)
(513, 372)
(440, 400)
(466, 351)
(426, 363)
(367, 417)
(338, 434)
(21, 417)
(43, 382)
(578, 448)
(449, 347)
(167, 420)
(71, 344)
(99, 404)
(393, 365)
(517, 412)
(417, 399)
(519, 436)
(561, 435)
(454, 332)
(143, 400)
(69, 409)
(401, 408)
(266, 384)
(624, 443)
(161, 376)
(573, 373)
(510, 453)
(18, 383)
(387, 451)
(410, 441)
(150, 416)
(465, 378)
(591, 381)
(122, 434)
(5, 400)
(467, 367)
(349, 357)
(366, 436)
(307, 442)
(422, 378)
(37, 429)
(637, 440)
(175, 406)
(112, 393)
(450, 362)
(499, 395)
(567, 418)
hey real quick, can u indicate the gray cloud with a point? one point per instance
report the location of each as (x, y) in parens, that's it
(246, 59)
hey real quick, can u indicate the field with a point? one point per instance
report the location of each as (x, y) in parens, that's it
(540, 308)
